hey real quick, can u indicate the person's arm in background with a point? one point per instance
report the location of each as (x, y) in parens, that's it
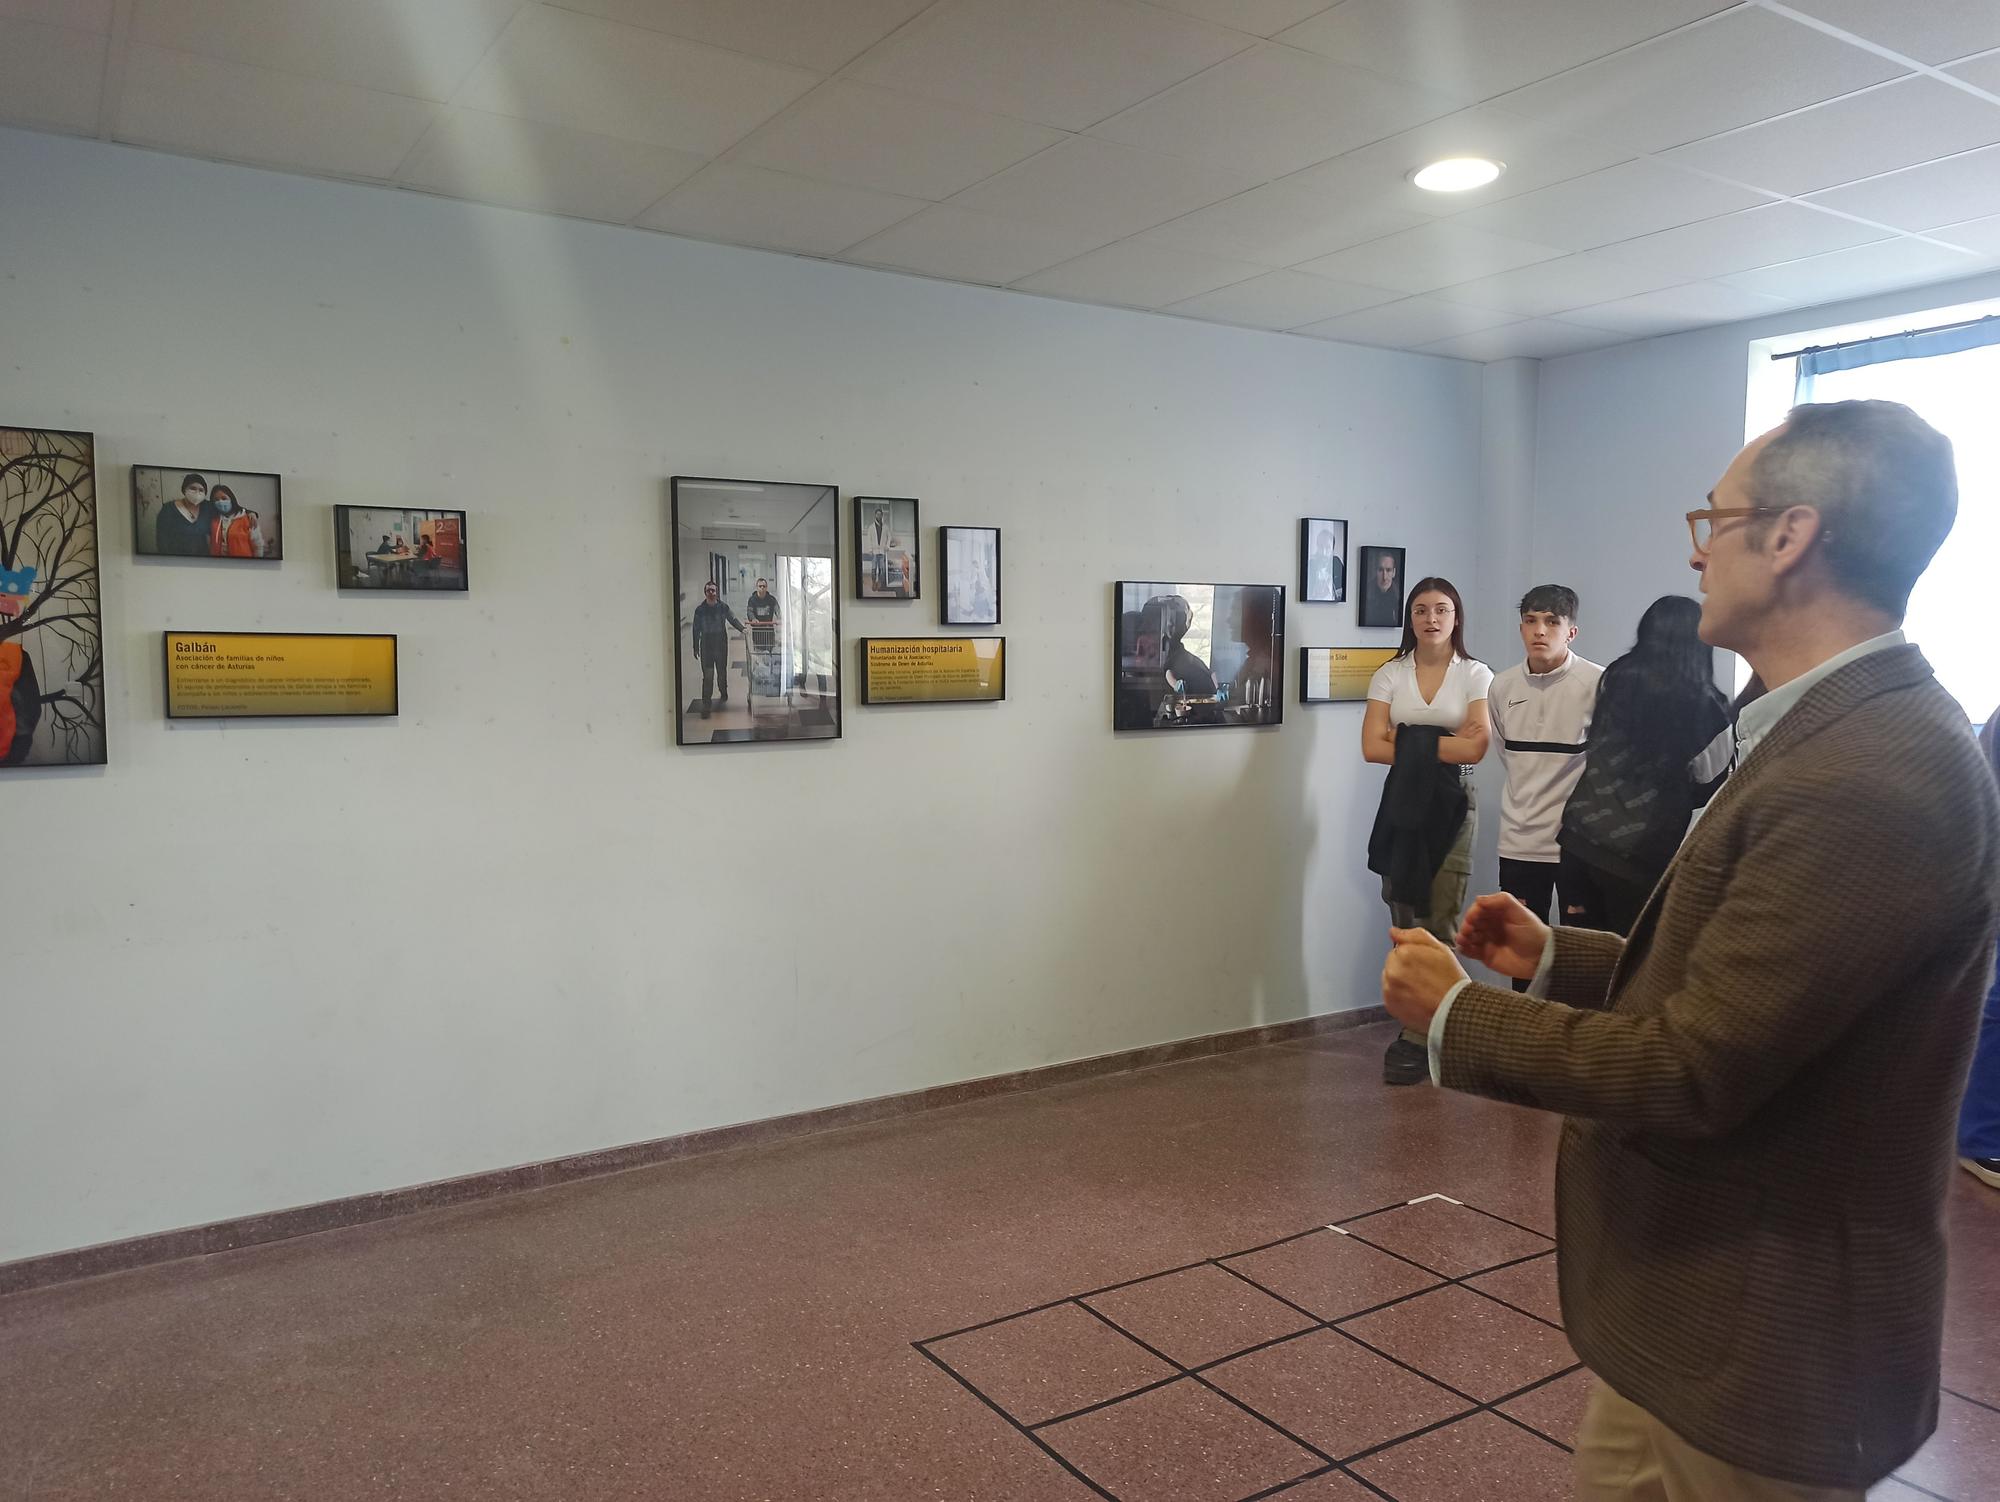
(1378, 736)
(1468, 747)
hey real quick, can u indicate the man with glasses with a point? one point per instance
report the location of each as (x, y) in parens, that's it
(710, 631)
(1761, 1082)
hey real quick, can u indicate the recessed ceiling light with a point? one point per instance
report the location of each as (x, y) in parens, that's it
(1457, 174)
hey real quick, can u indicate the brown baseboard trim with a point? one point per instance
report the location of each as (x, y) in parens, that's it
(328, 1215)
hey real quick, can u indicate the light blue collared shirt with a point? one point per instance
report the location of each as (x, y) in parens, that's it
(1758, 719)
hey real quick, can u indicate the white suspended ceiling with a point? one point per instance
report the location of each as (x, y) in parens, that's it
(1670, 163)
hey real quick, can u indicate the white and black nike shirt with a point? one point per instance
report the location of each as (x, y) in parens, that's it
(1540, 722)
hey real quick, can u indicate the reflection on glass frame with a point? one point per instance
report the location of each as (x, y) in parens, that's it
(1198, 656)
(888, 560)
(51, 620)
(971, 576)
(756, 611)
(933, 669)
(396, 547)
(1322, 560)
(188, 511)
(1378, 585)
(1338, 675)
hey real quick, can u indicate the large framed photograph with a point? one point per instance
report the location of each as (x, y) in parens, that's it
(1339, 675)
(933, 669)
(888, 563)
(756, 611)
(51, 615)
(1380, 587)
(281, 675)
(183, 511)
(1322, 560)
(971, 576)
(1196, 656)
(395, 547)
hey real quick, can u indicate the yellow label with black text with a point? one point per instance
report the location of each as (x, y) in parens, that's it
(1341, 674)
(933, 669)
(242, 675)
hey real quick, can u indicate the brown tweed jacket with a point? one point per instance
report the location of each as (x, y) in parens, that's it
(1763, 1083)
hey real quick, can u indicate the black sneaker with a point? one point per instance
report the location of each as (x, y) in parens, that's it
(1986, 1170)
(1406, 1063)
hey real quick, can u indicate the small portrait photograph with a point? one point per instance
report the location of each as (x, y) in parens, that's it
(1191, 656)
(1380, 589)
(184, 512)
(393, 547)
(1322, 560)
(971, 576)
(886, 556)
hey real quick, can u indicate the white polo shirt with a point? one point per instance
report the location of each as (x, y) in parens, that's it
(1540, 723)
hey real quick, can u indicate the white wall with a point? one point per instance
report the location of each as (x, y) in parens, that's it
(231, 987)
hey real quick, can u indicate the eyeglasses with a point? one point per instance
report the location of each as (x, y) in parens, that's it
(1701, 524)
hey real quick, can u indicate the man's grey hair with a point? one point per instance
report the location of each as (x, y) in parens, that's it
(1884, 483)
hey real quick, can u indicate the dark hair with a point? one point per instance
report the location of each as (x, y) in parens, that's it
(1556, 599)
(1651, 698)
(187, 480)
(1435, 586)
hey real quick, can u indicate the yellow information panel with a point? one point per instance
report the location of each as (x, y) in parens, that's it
(227, 675)
(933, 669)
(1338, 675)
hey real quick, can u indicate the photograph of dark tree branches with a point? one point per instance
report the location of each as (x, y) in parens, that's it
(51, 631)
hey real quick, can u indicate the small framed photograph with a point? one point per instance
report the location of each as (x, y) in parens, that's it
(1380, 587)
(971, 576)
(393, 547)
(1193, 656)
(1322, 560)
(1338, 675)
(933, 669)
(887, 559)
(184, 511)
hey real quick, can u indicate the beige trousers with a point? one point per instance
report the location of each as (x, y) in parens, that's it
(1624, 1454)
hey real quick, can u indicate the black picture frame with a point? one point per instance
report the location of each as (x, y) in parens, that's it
(1144, 648)
(263, 522)
(809, 670)
(952, 601)
(1373, 656)
(52, 600)
(1377, 607)
(875, 567)
(395, 675)
(1322, 586)
(867, 694)
(448, 569)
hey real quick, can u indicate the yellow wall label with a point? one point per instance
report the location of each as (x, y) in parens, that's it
(242, 674)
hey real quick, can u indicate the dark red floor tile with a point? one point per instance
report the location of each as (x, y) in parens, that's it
(1555, 1408)
(1199, 1315)
(1448, 1238)
(1332, 1487)
(1179, 1443)
(1528, 1286)
(1332, 1274)
(1333, 1394)
(1479, 1459)
(1466, 1342)
(1037, 1366)
(1962, 1461)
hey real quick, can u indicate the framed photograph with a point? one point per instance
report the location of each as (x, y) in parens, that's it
(971, 576)
(393, 547)
(186, 511)
(51, 617)
(287, 675)
(1338, 675)
(888, 564)
(1322, 560)
(1379, 587)
(1197, 656)
(756, 611)
(933, 669)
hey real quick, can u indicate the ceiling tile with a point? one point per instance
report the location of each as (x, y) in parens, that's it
(1551, 286)
(1878, 130)
(50, 76)
(1738, 242)
(1475, 49)
(1536, 339)
(1980, 72)
(1743, 66)
(1259, 17)
(1280, 300)
(564, 69)
(741, 205)
(1431, 256)
(1856, 273)
(1068, 63)
(1103, 187)
(77, 15)
(957, 243)
(221, 109)
(1407, 324)
(1980, 235)
(892, 142)
(1933, 31)
(1273, 111)
(816, 34)
(525, 165)
(1279, 225)
(1136, 275)
(1673, 309)
(1949, 191)
(1633, 198)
